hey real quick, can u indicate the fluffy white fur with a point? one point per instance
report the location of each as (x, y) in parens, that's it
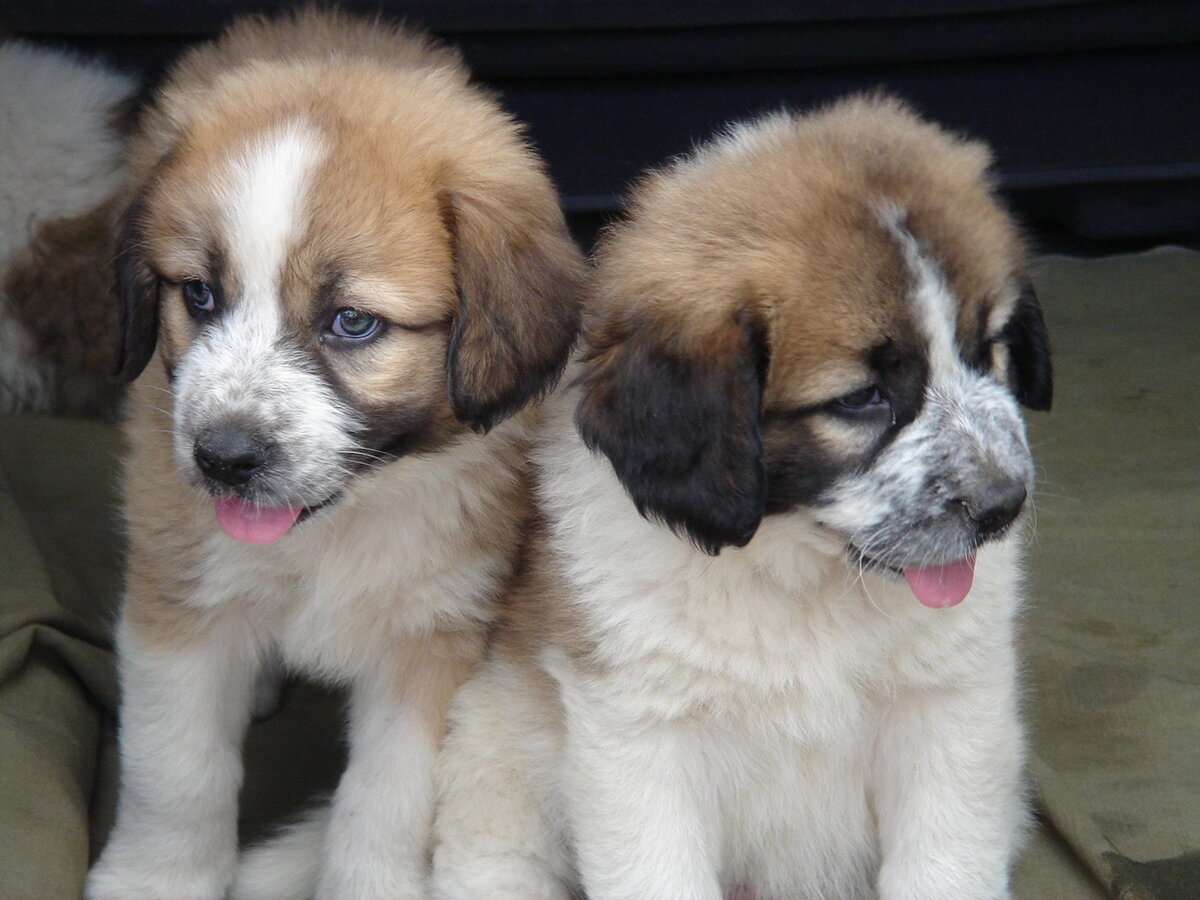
(59, 156)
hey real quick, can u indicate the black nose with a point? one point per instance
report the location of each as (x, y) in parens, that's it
(994, 505)
(230, 455)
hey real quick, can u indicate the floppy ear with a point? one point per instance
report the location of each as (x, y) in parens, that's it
(137, 293)
(1029, 352)
(518, 275)
(680, 424)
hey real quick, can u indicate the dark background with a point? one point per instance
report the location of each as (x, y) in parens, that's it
(1092, 106)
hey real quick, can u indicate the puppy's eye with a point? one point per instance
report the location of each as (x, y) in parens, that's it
(867, 398)
(198, 296)
(353, 324)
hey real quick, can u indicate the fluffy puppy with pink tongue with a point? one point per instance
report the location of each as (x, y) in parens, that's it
(344, 278)
(765, 648)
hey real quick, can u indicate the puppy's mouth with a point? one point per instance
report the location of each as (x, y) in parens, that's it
(253, 523)
(937, 586)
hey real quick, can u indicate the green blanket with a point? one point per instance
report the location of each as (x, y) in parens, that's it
(1113, 638)
(1110, 639)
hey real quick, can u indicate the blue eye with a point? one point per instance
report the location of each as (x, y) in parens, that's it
(864, 399)
(198, 296)
(353, 324)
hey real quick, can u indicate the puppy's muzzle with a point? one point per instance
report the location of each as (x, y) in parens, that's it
(231, 455)
(992, 505)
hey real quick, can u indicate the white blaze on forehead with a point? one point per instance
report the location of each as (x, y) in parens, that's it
(264, 205)
(238, 369)
(933, 303)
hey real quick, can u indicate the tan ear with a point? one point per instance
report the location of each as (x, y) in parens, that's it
(678, 416)
(519, 277)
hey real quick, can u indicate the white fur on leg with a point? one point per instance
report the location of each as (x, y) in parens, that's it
(643, 821)
(378, 833)
(496, 836)
(950, 817)
(183, 714)
(287, 866)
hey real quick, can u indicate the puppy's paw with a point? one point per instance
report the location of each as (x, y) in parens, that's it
(508, 878)
(360, 872)
(933, 887)
(114, 881)
(368, 885)
(141, 865)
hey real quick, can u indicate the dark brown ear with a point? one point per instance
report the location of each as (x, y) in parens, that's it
(680, 423)
(519, 277)
(137, 293)
(1029, 352)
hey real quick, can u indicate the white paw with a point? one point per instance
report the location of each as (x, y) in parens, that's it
(174, 867)
(147, 882)
(504, 879)
(370, 879)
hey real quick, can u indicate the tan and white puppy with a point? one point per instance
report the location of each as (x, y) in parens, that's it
(739, 661)
(356, 273)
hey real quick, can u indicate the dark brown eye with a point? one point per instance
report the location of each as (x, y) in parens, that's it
(867, 398)
(198, 296)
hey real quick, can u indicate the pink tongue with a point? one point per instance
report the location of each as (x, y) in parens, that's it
(244, 521)
(942, 586)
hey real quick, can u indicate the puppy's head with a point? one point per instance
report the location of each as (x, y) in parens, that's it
(339, 261)
(827, 314)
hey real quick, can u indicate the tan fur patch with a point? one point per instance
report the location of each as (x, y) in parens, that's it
(60, 290)
(809, 254)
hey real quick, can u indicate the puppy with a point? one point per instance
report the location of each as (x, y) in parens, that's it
(356, 274)
(766, 643)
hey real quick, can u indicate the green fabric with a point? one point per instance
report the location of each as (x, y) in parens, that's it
(58, 576)
(1113, 639)
(1110, 640)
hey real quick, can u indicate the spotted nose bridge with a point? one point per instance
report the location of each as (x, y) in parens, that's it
(988, 469)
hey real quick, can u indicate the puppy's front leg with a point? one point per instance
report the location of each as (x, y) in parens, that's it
(948, 794)
(644, 824)
(185, 705)
(377, 841)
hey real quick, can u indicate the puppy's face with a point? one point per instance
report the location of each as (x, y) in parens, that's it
(904, 434)
(327, 294)
(827, 315)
